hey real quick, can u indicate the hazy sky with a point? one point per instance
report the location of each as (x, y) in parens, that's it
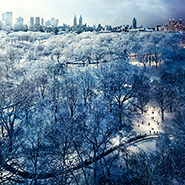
(114, 12)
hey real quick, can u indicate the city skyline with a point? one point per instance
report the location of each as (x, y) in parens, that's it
(109, 12)
(37, 24)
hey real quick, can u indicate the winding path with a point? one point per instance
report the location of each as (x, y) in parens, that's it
(44, 175)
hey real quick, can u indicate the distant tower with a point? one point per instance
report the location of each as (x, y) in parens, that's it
(170, 22)
(31, 21)
(74, 21)
(37, 21)
(80, 21)
(42, 22)
(180, 22)
(134, 23)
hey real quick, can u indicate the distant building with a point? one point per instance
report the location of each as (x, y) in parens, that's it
(47, 23)
(52, 22)
(7, 19)
(75, 21)
(134, 23)
(19, 21)
(31, 22)
(108, 27)
(80, 21)
(158, 28)
(56, 23)
(37, 26)
(18, 26)
(79, 27)
(174, 26)
(37, 21)
(42, 22)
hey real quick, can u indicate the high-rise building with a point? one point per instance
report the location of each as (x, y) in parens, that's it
(3, 17)
(180, 22)
(80, 21)
(37, 21)
(42, 22)
(7, 18)
(19, 21)
(38, 25)
(174, 26)
(74, 21)
(31, 21)
(170, 22)
(18, 26)
(134, 23)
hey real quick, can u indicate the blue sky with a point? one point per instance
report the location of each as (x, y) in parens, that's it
(114, 12)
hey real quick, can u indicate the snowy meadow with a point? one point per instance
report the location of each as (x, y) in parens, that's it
(83, 108)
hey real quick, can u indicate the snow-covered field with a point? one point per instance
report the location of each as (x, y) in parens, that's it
(148, 123)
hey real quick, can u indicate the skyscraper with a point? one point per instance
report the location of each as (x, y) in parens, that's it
(31, 22)
(75, 21)
(174, 26)
(134, 23)
(7, 18)
(42, 22)
(180, 22)
(37, 21)
(80, 21)
(170, 22)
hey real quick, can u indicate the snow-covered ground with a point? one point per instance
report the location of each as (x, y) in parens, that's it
(147, 146)
(148, 122)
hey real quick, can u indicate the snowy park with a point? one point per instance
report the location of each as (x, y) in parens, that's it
(92, 108)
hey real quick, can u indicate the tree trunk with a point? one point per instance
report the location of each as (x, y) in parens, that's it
(110, 107)
(35, 182)
(2, 131)
(95, 166)
(162, 115)
(56, 112)
(120, 120)
(120, 116)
